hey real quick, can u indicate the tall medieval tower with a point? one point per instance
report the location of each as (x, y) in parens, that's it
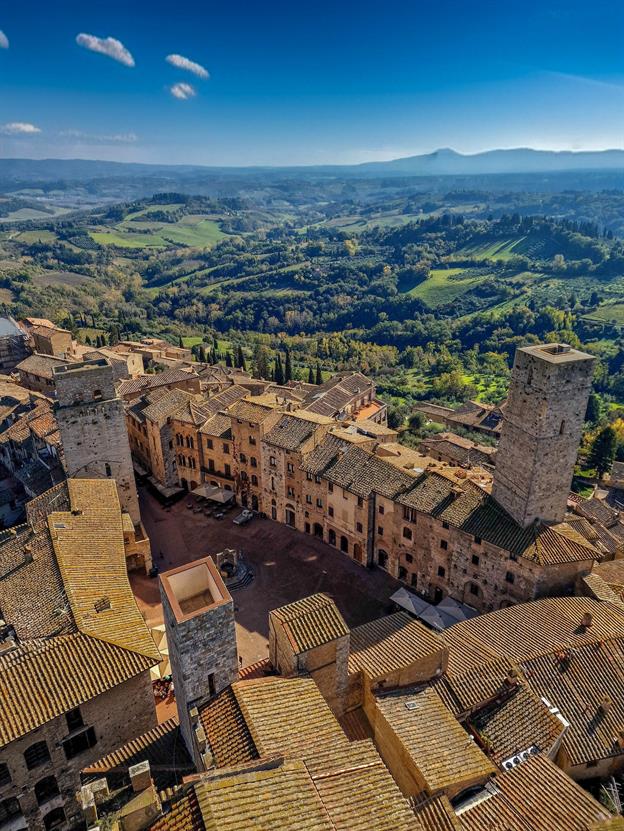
(543, 420)
(93, 430)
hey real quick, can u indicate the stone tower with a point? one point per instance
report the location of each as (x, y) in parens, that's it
(543, 420)
(201, 638)
(93, 430)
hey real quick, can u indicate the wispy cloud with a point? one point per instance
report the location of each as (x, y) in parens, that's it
(96, 138)
(4, 41)
(106, 46)
(19, 128)
(182, 91)
(190, 66)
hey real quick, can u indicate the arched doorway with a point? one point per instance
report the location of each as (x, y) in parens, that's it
(331, 536)
(55, 819)
(382, 558)
(318, 530)
(290, 515)
(344, 545)
(472, 593)
(193, 484)
(254, 502)
(184, 483)
(357, 552)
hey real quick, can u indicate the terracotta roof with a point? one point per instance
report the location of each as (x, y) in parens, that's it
(436, 743)
(226, 730)
(464, 505)
(519, 722)
(41, 680)
(160, 407)
(390, 644)
(40, 420)
(436, 814)
(219, 425)
(533, 796)
(41, 365)
(311, 622)
(247, 410)
(162, 746)
(361, 473)
(158, 379)
(290, 432)
(84, 634)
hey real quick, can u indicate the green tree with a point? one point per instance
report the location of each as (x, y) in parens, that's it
(310, 375)
(288, 368)
(180, 342)
(240, 358)
(202, 354)
(592, 413)
(279, 370)
(319, 375)
(88, 340)
(261, 362)
(602, 451)
(228, 359)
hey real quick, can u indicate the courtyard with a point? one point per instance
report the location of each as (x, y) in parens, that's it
(287, 565)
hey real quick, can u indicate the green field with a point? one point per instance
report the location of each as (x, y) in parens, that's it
(192, 231)
(609, 313)
(499, 249)
(444, 285)
(36, 236)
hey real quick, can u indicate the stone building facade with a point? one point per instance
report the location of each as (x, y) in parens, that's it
(92, 424)
(199, 621)
(543, 423)
(40, 772)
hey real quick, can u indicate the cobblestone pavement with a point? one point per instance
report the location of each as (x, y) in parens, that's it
(287, 565)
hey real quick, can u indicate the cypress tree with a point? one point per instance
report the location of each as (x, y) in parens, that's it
(202, 354)
(288, 371)
(279, 370)
(228, 359)
(310, 375)
(319, 375)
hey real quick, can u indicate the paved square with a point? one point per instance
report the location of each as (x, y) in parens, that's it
(287, 565)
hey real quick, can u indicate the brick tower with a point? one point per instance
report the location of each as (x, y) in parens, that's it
(201, 638)
(543, 420)
(93, 430)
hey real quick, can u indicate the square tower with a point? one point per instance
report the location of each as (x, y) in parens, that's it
(201, 636)
(92, 424)
(543, 420)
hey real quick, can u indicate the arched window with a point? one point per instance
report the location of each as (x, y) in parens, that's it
(97, 395)
(46, 789)
(562, 427)
(54, 819)
(344, 545)
(9, 808)
(107, 467)
(254, 479)
(382, 558)
(37, 754)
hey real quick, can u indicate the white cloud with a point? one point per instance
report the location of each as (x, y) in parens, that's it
(4, 41)
(19, 128)
(182, 91)
(95, 138)
(106, 46)
(184, 63)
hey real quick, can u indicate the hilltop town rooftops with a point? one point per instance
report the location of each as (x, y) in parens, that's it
(252, 411)
(70, 552)
(311, 622)
(291, 431)
(133, 386)
(42, 366)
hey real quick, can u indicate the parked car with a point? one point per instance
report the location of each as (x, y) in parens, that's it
(244, 517)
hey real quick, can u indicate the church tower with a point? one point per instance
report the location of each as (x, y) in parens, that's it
(543, 421)
(92, 424)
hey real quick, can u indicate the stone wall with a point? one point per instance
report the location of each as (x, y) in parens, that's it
(119, 715)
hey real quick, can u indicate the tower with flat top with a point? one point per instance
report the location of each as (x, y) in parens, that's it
(543, 421)
(92, 424)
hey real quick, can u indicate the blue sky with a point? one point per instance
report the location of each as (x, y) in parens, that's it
(322, 82)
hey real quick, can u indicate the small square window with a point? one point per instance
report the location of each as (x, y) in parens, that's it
(477, 540)
(409, 558)
(380, 530)
(441, 571)
(330, 511)
(445, 525)
(407, 533)
(382, 510)
(510, 577)
(475, 559)
(358, 525)
(443, 545)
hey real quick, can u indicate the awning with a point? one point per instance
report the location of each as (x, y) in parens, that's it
(440, 617)
(213, 493)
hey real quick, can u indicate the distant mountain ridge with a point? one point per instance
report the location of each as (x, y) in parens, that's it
(443, 162)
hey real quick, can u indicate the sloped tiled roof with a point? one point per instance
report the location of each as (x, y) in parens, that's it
(248, 410)
(391, 643)
(311, 622)
(290, 432)
(158, 379)
(41, 365)
(436, 814)
(534, 796)
(65, 590)
(436, 743)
